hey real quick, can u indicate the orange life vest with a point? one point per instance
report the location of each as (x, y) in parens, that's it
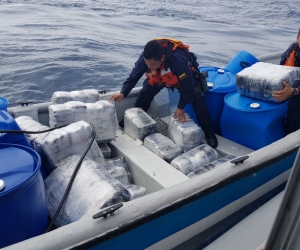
(164, 75)
(290, 61)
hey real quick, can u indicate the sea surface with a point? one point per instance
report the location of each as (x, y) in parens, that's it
(65, 45)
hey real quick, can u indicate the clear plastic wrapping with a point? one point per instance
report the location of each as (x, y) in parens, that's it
(162, 146)
(118, 168)
(186, 135)
(101, 115)
(138, 124)
(195, 158)
(86, 95)
(136, 191)
(106, 151)
(64, 142)
(27, 123)
(204, 168)
(261, 79)
(93, 188)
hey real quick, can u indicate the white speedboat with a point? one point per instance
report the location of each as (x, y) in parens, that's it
(177, 211)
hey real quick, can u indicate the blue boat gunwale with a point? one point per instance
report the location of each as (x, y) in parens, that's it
(183, 202)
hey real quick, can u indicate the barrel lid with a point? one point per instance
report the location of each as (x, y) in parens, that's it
(18, 164)
(244, 103)
(3, 103)
(220, 80)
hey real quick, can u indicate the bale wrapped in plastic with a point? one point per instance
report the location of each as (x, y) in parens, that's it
(64, 142)
(86, 95)
(105, 149)
(162, 146)
(118, 168)
(101, 115)
(261, 79)
(136, 191)
(27, 123)
(194, 159)
(92, 189)
(209, 166)
(186, 135)
(138, 124)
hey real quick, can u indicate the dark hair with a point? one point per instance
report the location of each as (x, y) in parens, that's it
(154, 50)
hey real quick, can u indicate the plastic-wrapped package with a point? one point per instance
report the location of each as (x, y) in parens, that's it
(92, 189)
(136, 191)
(101, 115)
(118, 168)
(195, 158)
(27, 123)
(209, 166)
(261, 79)
(162, 146)
(138, 124)
(106, 151)
(86, 95)
(64, 142)
(186, 135)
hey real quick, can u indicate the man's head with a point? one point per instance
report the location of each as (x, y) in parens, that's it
(298, 37)
(154, 54)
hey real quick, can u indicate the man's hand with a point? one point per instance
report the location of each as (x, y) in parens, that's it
(180, 115)
(284, 94)
(116, 97)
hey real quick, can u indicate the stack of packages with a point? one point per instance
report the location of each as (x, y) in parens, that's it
(181, 138)
(262, 79)
(100, 182)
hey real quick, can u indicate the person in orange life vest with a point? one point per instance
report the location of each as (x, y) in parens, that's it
(151, 62)
(291, 57)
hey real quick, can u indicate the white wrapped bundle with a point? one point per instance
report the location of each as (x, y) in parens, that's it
(162, 146)
(92, 189)
(194, 158)
(186, 135)
(136, 191)
(261, 79)
(209, 166)
(101, 115)
(118, 168)
(27, 123)
(61, 143)
(119, 173)
(86, 95)
(138, 124)
(106, 151)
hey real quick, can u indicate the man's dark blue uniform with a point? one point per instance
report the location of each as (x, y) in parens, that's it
(180, 62)
(292, 121)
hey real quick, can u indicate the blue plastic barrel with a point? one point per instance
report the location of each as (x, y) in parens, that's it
(252, 122)
(7, 122)
(22, 195)
(219, 82)
(3, 104)
(242, 59)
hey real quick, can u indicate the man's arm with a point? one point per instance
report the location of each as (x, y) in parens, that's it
(137, 72)
(287, 91)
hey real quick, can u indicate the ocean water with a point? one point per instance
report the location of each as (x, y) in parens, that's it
(56, 45)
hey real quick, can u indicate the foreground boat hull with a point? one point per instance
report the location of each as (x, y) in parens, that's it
(174, 215)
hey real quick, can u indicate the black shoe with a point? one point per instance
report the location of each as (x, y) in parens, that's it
(121, 123)
(212, 141)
